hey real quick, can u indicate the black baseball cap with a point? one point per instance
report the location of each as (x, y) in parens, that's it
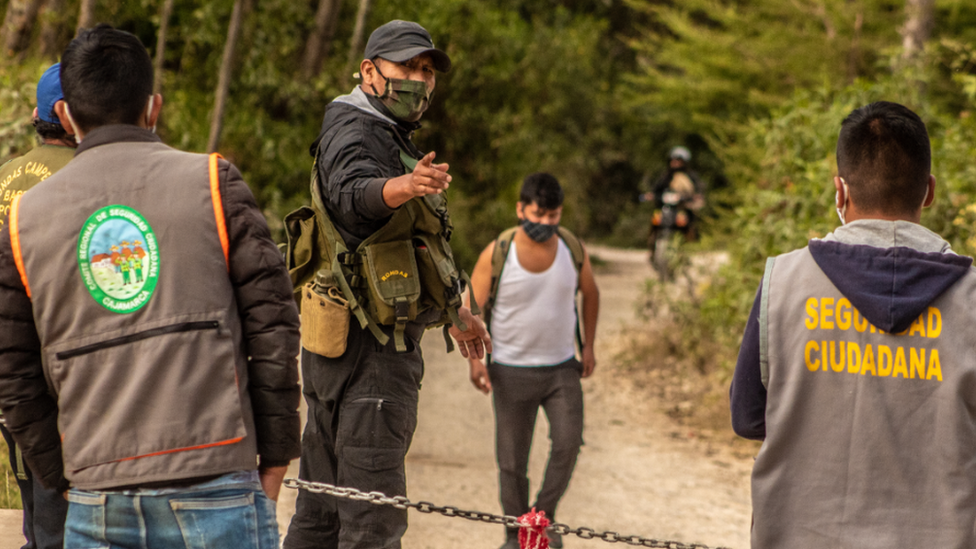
(400, 41)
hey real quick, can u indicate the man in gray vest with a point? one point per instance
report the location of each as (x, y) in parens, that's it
(362, 402)
(857, 367)
(168, 405)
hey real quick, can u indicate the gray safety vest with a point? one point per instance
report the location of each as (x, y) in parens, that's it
(870, 437)
(137, 318)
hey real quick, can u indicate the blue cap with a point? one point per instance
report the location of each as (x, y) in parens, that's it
(49, 93)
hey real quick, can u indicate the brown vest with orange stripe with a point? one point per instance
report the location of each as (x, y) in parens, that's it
(141, 340)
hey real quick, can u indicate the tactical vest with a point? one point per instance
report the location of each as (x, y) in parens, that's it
(148, 363)
(403, 270)
(871, 436)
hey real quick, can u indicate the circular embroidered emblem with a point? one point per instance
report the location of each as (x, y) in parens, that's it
(119, 258)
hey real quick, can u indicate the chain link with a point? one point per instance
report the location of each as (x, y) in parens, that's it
(400, 502)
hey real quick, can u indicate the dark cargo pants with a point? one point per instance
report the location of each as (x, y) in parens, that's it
(362, 412)
(44, 509)
(518, 394)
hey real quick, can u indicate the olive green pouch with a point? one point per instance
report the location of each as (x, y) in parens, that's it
(325, 320)
(303, 250)
(436, 267)
(394, 285)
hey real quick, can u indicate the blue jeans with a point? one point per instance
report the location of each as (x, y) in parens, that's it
(230, 512)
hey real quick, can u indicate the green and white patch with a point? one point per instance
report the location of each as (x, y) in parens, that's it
(118, 256)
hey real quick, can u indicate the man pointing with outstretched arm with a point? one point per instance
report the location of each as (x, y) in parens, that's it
(382, 248)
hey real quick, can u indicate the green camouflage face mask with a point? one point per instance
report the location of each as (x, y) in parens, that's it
(406, 99)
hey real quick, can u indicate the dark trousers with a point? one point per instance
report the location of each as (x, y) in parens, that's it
(518, 394)
(44, 510)
(362, 412)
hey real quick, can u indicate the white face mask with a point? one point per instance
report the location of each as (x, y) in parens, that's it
(74, 124)
(149, 109)
(842, 211)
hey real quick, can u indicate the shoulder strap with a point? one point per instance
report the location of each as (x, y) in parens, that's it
(574, 245)
(499, 253)
(409, 162)
(764, 322)
(218, 207)
(576, 250)
(339, 271)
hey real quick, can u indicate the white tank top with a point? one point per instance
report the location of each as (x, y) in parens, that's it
(533, 322)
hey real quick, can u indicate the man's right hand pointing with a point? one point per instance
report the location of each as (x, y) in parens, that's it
(426, 178)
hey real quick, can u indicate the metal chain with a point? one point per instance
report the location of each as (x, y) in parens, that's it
(400, 502)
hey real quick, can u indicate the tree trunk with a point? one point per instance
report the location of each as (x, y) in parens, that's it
(356, 44)
(331, 29)
(318, 45)
(223, 81)
(18, 24)
(164, 16)
(86, 15)
(854, 55)
(919, 19)
(55, 32)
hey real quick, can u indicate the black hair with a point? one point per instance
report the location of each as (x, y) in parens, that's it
(50, 130)
(884, 156)
(107, 77)
(543, 189)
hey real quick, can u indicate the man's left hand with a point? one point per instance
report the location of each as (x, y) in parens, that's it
(589, 361)
(475, 341)
(271, 478)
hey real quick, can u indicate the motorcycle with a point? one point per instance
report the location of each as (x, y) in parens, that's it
(674, 216)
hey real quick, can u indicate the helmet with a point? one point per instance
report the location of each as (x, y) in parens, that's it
(680, 153)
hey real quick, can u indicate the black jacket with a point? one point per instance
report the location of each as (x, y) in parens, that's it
(357, 152)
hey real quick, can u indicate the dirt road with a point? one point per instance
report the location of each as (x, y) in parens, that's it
(636, 474)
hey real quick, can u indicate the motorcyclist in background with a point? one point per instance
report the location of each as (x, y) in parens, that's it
(678, 178)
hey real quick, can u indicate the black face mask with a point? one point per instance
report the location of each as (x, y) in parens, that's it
(539, 232)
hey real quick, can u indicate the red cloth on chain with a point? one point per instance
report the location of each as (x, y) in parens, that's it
(533, 536)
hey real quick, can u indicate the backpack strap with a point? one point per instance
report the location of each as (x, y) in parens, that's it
(575, 247)
(576, 250)
(499, 253)
(764, 322)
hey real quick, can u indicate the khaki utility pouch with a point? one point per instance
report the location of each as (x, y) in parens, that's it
(325, 320)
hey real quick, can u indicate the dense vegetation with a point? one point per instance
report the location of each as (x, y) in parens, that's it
(595, 91)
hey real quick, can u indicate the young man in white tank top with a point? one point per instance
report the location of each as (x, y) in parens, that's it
(533, 329)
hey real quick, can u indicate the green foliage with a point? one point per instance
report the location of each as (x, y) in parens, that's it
(18, 89)
(594, 91)
(787, 163)
(9, 491)
(722, 61)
